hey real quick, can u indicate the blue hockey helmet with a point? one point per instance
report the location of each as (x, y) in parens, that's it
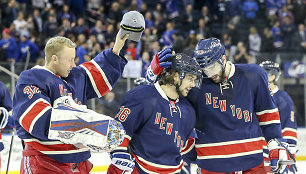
(185, 64)
(272, 68)
(208, 51)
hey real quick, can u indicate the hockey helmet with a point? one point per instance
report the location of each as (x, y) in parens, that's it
(272, 68)
(208, 51)
(185, 64)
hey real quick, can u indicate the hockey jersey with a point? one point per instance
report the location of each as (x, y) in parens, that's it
(6, 102)
(38, 88)
(285, 106)
(230, 117)
(286, 111)
(157, 129)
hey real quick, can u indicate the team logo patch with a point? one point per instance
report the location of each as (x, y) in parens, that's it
(178, 56)
(213, 44)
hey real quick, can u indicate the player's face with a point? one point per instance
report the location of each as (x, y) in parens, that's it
(65, 61)
(214, 72)
(271, 78)
(187, 84)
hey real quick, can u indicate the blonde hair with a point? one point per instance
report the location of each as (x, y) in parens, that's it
(55, 45)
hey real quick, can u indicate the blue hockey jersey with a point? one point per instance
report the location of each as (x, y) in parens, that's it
(38, 88)
(230, 117)
(157, 129)
(286, 111)
(6, 102)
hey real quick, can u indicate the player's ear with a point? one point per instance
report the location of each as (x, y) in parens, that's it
(54, 58)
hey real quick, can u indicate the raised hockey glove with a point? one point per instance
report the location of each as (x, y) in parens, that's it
(278, 155)
(158, 64)
(123, 161)
(3, 117)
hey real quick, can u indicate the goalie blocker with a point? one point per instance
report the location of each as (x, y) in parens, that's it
(75, 124)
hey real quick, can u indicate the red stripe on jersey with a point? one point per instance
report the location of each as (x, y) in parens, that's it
(125, 143)
(157, 169)
(98, 78)
(29, 117)
(53, 147)
(230, 149)
(189, 145)
(268, 117)
(290, 134)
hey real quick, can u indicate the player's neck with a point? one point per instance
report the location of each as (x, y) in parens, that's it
(50, 67)
(170, 91)
(272, 86)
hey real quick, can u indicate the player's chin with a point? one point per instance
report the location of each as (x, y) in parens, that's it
(185, 93)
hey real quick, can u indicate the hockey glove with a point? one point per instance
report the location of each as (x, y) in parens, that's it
(293, 149)
(278, 155)
(3, 117)
(123, 161)
(158, 63)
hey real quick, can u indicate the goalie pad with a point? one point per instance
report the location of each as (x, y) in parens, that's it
(3, 117)
(75, 124)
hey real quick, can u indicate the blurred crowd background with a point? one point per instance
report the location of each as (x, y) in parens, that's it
(252, 31)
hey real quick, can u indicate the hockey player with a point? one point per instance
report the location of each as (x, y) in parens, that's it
(285, 106)
(158, 120)
(52, 98)
(5, 108)
(233, 107)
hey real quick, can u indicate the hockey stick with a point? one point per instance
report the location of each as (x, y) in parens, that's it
(10, 151)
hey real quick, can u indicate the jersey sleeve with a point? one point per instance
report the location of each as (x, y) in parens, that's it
(101, 73)
(131, 115)
(5, 100)
(288, 120)
(265, 107)
(32, 110)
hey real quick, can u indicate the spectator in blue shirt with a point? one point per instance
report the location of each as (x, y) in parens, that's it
(250, 7)
(167, 38)
(9, 44)
(26, 45)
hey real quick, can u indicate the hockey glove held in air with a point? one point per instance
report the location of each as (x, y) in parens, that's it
(158, 63)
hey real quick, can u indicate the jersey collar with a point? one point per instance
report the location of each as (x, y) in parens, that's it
(232, 70)
(275, 89)
(162, 93)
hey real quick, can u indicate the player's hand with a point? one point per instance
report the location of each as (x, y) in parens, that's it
(277, 155)
(158, 63)
(119, 43)
(123, 161)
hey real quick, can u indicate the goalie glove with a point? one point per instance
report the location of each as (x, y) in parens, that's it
(278, 155)
(123, 161)
(158, 64)
(75, 124)
(4, 116)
